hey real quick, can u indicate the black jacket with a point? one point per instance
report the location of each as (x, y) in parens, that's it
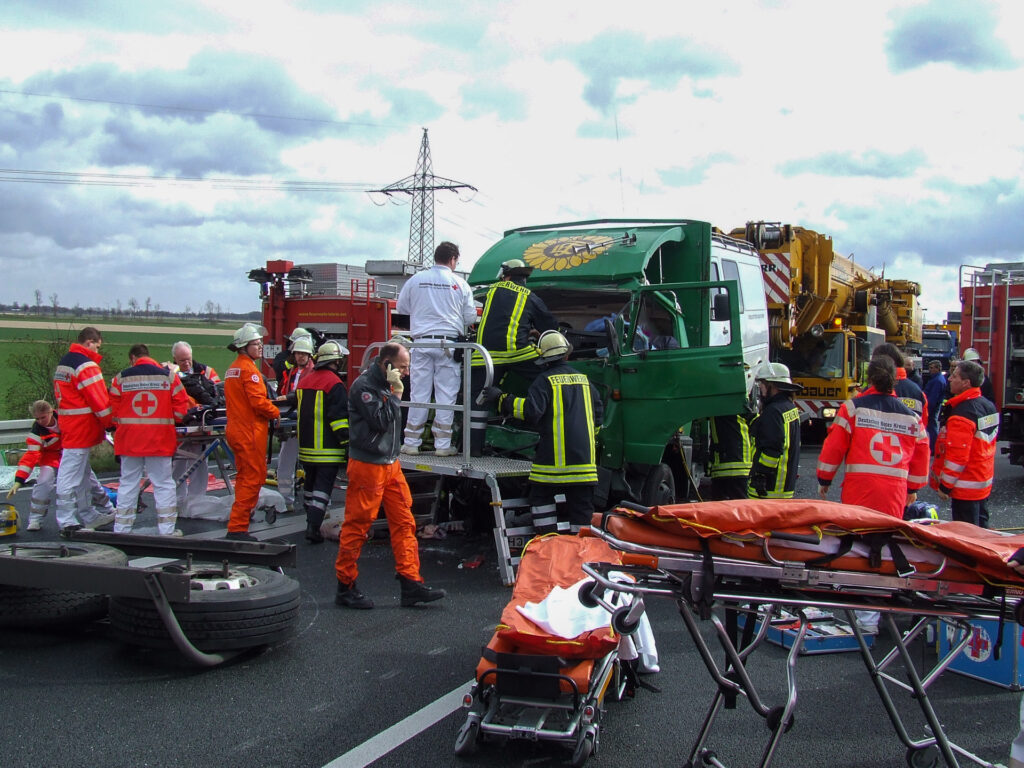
(566, 410)
(322, 417)
(374, 419)
(510, 311)
(776, 436)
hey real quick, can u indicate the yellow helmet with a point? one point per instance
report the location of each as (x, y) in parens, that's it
(552, 345)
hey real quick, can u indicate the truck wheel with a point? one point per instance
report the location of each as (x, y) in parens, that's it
(248, 607)
(35, 607)
(659, 486)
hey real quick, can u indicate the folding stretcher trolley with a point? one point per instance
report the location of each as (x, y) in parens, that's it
(534, 684)
(751, 557)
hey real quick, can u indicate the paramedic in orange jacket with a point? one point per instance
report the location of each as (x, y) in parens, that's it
(882, 442)
(148, 399)
(965, 451)
(83, 408)
(249, 411)
(375, 476)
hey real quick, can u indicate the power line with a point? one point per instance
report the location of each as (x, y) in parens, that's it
(200, 110)
(22, 176)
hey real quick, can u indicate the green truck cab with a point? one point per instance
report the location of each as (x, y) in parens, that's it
(668, 320)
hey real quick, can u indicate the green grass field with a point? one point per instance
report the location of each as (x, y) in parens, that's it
(208, 349)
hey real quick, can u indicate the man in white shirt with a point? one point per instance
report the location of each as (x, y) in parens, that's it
(439, 304)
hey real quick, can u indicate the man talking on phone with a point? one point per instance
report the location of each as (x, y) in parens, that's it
(375, 477)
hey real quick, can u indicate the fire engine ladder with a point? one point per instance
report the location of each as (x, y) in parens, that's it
(358, 329)
(982, 283)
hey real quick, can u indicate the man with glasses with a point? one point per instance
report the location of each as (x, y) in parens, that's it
(84, 411)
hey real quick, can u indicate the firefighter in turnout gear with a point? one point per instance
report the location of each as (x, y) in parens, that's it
(776, 436)
(301, 364)
(965, 450)
(731, 455)
(512, 315)
(322, 432)
(883, 444)
(147, 400)
(250, 412)
(566, 410)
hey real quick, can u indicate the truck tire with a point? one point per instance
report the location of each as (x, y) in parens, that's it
(659, 486)
(39, 607)
(253, 607)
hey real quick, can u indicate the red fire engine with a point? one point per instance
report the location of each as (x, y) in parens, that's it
(339, 300)
(992, 299)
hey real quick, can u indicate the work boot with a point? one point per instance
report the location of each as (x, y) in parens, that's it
(313, 535)
(414, 592)
(350, 596)
(240, 536)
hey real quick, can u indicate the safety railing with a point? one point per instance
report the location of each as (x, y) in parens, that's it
(12, 436)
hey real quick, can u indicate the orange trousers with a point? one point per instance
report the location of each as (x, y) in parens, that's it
(369, 485)
(251, 463)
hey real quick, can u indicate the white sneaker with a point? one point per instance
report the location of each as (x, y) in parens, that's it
(99, 521)
(449, 451)
(34, 525)
(410, 450)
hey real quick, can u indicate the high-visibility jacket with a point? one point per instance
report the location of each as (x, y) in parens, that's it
(323, 417)
(731, 450)
(911, 395)
(776, 436)
(885, 447)
(82, 400)
(290, 383)
(965, 451)
(42, 449)
(249, 408)
(567, 411)
(147, 400)
(510, 311)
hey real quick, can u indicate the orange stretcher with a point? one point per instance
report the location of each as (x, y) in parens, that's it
(745, 559)
(532, 684)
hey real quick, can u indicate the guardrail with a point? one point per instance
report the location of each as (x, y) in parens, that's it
(12, 433)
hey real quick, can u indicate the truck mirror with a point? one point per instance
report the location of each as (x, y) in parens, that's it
(720, 306)
(613, 338)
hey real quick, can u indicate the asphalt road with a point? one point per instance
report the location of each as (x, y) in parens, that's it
(380, 687)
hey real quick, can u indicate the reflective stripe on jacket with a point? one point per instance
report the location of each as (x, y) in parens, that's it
(885, 448)
(510, 311)
(147, 401)
(323, 417)
(731, 450)
(42, 449)
(776, 436)
(567, 412)
(911, 395)
(965, 451)
(82, 400)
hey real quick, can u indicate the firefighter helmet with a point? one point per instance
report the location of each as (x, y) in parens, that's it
(8, 520)
(515, 267)
(971, 354)
(777, 374)
(330, 350)
(551, 346)
(303, 344)
(300, 333)
(245, 335)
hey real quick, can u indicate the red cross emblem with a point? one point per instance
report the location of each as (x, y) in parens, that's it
(979, 645)
(886, 449)
(144, 403)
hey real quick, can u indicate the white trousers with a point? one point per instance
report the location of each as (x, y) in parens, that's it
(286, 461)
(196, 485)
(78, 489)
(157, 468)
(432, 371)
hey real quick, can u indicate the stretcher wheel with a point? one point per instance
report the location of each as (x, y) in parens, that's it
(922, 757)
(621, 624)
(468, 738)
(586, 593)
(584, 747)
(270, 514)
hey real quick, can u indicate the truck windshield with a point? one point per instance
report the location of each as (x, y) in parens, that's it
(936, 343)
(824, 360)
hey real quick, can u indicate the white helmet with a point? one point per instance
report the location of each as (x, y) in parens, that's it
(971, 354)
(303, 344)
(777, 374)
(299, 333)
(246, 334)
(330, 350)
(552, 345)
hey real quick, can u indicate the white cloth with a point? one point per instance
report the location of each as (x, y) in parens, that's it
(563, 615)
(158, 469)
(431, 372)
(438, 302)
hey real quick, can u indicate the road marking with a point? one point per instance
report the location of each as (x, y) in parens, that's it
(399, 733)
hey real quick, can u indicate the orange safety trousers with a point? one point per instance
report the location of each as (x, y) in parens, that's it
(251, 462)
(368, 486)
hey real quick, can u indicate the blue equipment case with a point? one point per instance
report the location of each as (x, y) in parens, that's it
(977, 659)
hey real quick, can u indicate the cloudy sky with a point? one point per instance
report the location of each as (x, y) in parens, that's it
(197, 131)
